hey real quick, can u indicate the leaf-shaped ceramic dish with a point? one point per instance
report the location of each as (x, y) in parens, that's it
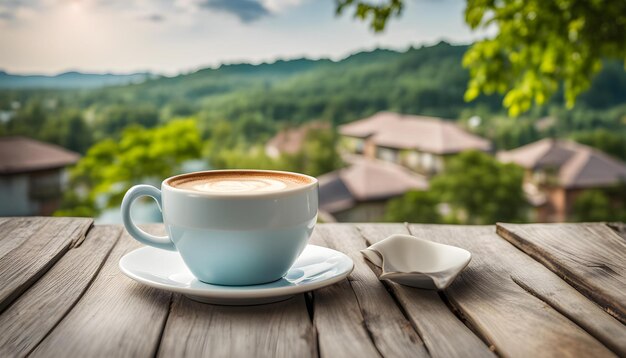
(415, 262)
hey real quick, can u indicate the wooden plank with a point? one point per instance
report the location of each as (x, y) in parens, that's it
(14, 231)
(46, 241)
(575, 306)
(619, 228)
(588, 256)
(116, 317)
(27, 321)
(514, 321)
(281, 329)
(443, 333)
(390, 331)
(338, 319)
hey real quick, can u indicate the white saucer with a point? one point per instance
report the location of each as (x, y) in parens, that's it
(317, 267)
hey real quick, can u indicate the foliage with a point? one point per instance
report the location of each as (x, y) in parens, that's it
(237, 108)
(476, 187)
(113, 119)
(111, 167)
(415, 207)
(379, 13)
(69, 130)
(257, 100)
(607, 141)
(600, 205)
(539, 45)
(246, 158)
(507, 134)
(319, 154)
(482, 189)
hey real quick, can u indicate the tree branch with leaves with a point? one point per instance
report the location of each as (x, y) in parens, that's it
(538, 48)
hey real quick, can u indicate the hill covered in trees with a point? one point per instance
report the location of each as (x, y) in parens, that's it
(257, 100)
(224, 116)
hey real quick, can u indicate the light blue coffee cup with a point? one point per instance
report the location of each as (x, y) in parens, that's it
(227, 239)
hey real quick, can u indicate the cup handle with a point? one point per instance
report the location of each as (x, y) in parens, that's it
(160, 242)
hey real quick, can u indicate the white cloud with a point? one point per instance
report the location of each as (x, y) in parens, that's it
(275, 6)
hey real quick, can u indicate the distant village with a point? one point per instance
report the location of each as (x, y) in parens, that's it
(387, 155)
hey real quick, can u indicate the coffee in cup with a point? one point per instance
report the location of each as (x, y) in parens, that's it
(232, 227)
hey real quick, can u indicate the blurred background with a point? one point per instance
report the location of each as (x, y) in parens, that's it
(449, 111)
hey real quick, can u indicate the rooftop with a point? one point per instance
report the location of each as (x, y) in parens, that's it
(366, 180)
(577, 165)
(291, 140)
(427, 134)
(23, 155)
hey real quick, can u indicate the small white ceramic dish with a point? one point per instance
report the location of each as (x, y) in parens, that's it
(415, 262)
(315, 268)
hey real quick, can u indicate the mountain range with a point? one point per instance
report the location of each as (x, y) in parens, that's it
(69, 80)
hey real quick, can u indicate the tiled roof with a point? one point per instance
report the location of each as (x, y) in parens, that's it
(577, 165)
(22, 155)
(366, 180)
(290, 140)
(428, 134)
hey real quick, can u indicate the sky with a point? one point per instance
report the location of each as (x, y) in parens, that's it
(178, 36)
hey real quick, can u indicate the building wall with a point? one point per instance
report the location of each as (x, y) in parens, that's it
(570, 197)
(369, 148)
(30, 194)
(388, 154)
(14, 200)
(421, 162)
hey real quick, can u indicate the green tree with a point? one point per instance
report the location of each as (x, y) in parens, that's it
(415, 207)
(480, 189)
(246, 157)
(111, 167)
(539, 46)
(610, 142)
(601, 205)
(477, 188)
(319, 153)
(115, 118)
(67, 129)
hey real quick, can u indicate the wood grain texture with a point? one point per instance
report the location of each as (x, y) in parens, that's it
(116, 317)
(35, 245)
(14, 231)
(390, 331)
(442, 332)
(619, 228)
(281, 329)
(514, 321)
(575, 306)
(591, 257)
(338, 319)
(29, 319)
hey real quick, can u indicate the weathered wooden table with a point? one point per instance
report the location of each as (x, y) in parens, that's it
(530, 291)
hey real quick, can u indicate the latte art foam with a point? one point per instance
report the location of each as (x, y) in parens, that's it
(240, 182)
(241, 186)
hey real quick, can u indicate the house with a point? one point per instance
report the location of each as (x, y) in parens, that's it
(417, 142)
(360, 191)
(557, 171)
(31, 176)
(291, 140)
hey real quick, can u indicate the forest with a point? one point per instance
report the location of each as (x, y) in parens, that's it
(225, 115)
